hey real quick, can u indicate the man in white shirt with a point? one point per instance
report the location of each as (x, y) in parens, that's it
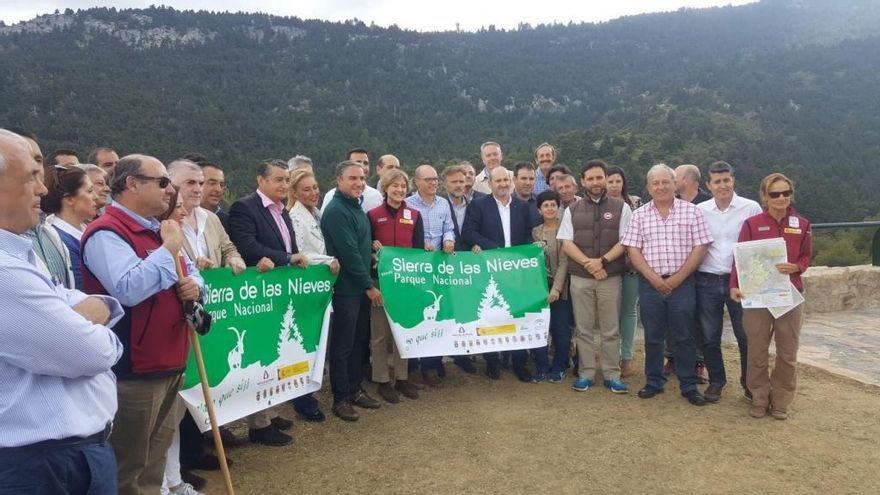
(371, 196)
(590, 232)
(490, 153)
(724, 214)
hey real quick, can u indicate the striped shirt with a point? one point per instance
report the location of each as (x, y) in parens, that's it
(55, 378)
(666, 243)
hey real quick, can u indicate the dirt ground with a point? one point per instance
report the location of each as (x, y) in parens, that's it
(481, 436)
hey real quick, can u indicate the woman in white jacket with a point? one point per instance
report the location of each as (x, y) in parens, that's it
(302, 204)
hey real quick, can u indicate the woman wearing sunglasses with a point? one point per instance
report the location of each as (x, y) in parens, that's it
(775, 391)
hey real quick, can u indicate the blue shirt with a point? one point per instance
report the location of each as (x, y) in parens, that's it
(55, 378)
(437, 219)
(540, 183)
(126, 276)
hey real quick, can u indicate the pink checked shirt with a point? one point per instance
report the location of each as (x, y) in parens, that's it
(666, 244)
(275, 209)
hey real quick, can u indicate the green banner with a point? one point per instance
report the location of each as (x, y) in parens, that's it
(267, 340)
(465, 303)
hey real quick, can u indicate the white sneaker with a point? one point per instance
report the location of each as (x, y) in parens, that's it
(183, 489)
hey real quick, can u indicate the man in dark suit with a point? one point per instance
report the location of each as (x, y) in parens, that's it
(495, 221)
(260, 228)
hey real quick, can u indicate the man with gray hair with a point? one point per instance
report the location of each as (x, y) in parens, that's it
(490, 153)
(666, 241)
(59, 394)
(348, 237)
(100, 181)
(130, 255)
(299, 161)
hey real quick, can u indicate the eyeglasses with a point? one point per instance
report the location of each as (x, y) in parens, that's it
(776, 194)
(429, 179)
(161, 181)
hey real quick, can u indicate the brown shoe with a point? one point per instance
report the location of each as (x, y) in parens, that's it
(757, 411)
(432, 379)
(406, 388)
(778, 414)
(344, 411)
(229, 439)
(387, 392)
(361, 399)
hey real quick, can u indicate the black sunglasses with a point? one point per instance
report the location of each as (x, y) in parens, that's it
(776, 194)
(161, 181)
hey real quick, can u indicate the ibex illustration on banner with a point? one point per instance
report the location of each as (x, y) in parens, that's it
(430, 313)
(235, 355)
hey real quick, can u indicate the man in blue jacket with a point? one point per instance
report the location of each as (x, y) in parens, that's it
(495, 221)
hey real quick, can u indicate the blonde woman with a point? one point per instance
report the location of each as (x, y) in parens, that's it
(302, 204)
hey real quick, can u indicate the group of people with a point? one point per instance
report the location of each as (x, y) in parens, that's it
(98, 262)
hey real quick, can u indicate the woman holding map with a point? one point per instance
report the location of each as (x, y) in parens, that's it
(775, 391)
(393, 223)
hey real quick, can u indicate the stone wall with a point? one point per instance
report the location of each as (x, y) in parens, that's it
(841, 288)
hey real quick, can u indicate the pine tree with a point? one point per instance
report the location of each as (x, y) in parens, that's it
(493, 303)
(288, 327)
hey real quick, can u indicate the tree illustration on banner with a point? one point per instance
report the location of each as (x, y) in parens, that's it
(493, 306)
(290, 340)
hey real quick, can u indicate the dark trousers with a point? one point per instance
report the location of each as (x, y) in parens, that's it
(519, 359)
(349, 335)
(192, 447)
(713, 295)
(561, 320)
(675, 313)
(305, 404)
(67, 469)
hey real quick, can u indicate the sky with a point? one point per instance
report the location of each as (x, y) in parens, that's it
(435, 15)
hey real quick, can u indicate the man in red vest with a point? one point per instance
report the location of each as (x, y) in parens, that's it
(131, 256)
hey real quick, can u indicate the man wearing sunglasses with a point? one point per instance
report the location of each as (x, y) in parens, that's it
(725, 214)
(130, 255)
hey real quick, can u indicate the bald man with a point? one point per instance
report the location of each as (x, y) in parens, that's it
(495, 221)
(386, 163)
(130, 255)
(687, 187)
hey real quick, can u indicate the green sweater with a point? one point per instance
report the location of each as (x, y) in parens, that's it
(347, 236)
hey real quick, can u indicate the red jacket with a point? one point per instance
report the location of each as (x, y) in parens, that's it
(796, 232)
(402, 228)
(154, 333)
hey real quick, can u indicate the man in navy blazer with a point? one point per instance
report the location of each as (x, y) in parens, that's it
(494, 221)
(260, 228)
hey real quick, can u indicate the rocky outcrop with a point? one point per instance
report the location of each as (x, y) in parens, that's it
(841, 288)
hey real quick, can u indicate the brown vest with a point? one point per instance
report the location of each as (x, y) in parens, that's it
(596, 231)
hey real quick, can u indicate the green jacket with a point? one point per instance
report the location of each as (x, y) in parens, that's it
(347, 236)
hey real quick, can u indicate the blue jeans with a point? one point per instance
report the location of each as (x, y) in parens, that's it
(674, 313)
(712, 295)
(69, 469)
(542, 360)
(561, 320)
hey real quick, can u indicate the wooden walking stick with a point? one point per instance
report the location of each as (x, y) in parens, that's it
(209, 404)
